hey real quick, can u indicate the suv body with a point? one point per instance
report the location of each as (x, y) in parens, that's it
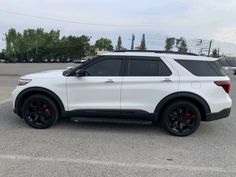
(145, 85)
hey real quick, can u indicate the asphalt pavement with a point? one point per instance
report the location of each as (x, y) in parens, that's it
(112, 149)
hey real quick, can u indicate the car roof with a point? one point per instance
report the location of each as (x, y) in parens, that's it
(174, 56)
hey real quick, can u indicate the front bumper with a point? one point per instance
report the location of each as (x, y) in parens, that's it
(218, 115)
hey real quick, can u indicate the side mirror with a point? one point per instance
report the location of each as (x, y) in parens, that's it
(80, 73)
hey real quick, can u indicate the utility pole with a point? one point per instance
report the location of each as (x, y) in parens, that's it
(209, 49)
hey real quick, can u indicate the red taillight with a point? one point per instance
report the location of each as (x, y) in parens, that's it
(224, 84)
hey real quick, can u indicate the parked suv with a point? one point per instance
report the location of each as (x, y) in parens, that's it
(177, 90)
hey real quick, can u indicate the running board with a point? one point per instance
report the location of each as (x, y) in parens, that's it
(110, 120)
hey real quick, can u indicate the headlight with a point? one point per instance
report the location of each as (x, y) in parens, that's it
(23, 81)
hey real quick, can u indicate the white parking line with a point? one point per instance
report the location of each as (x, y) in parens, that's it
(5, 101)
(118, 164)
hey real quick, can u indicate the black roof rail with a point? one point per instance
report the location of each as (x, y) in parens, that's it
(159, 51)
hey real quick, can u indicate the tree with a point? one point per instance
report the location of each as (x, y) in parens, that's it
(215, 53)
(169, 44)
(143, 43)
(73, 46)
(104, 44)
(182, 45)
(132, 42)
(11, 36)
(119, 44)
(2, 54)
(92, 50)
(38, 44)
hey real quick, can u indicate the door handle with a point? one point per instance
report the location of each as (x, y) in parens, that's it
(109, 81)
(167, 80)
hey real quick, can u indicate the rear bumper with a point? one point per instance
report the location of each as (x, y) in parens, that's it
(218, 115)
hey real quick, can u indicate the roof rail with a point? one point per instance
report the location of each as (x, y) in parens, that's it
(159, 51)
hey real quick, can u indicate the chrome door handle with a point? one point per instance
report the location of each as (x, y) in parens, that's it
(109, 81)
(166, 80)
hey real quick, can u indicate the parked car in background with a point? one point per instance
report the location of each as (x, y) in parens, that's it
(228, 63)
(2, 60)
(68, 60)
(79, 60)
(45, 60)
(31, 60)
(52, 60)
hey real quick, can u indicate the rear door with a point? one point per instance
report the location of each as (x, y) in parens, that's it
(146, 82)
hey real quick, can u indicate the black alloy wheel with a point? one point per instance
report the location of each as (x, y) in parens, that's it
(39, 111)
(181, 118)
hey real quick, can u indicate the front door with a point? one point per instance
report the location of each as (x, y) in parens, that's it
(99, 89)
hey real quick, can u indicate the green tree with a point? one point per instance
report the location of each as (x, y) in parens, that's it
(169, 44)
(74, 47)
(2, 54)
(215, 53)
(104, 44)
(92, 50)
(182, 45)
(10, 38)
(28, 44)
(119, 44)
(143, 43)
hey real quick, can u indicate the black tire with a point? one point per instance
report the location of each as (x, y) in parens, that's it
(181, 118)
(40, 112)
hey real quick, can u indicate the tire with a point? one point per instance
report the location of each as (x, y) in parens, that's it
(39, 112)
(181, 118)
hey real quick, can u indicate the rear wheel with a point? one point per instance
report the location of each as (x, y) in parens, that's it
(39, 111)
(181, 118)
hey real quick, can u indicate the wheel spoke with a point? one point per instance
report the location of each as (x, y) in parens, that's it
(182, 119)
(39, 113)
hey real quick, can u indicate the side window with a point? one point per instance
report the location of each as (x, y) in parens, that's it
(106, 67)
(163, 69)
(147, 67)
(202, 68)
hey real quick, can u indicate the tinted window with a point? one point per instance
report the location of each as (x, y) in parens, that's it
(147, 67)
(223, 62)
(163, 69)
(202, 68)
(107, 67)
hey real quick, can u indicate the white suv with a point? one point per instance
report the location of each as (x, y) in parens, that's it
(180, 90)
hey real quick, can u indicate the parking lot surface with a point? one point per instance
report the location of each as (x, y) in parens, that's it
(110, 149)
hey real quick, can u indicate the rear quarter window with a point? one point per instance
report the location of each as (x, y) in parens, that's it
(202, 68)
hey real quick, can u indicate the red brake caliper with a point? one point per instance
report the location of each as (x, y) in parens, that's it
(187, 117)
(48, 111)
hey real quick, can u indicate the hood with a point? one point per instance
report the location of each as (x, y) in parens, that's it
(43, 74)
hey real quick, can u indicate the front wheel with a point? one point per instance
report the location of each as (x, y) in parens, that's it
(181, 118)
(39, 111)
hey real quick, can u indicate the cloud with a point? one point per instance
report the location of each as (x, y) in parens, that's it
(226, 35)
(207, 19)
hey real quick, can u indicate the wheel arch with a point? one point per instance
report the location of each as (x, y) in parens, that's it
(188, 96)
(22, 96)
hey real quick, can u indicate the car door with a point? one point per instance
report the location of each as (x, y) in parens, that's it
(146, 82)
(99, 89)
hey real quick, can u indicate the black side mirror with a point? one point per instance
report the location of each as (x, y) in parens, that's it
(80, 73)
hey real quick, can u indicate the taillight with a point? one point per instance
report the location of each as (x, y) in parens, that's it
(224, 84)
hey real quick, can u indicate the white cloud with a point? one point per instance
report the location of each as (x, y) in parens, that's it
(208, 19)
(226, 35)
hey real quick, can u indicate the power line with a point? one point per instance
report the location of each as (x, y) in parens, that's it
(70, 21)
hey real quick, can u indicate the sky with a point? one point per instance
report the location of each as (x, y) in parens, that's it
(158, 19)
